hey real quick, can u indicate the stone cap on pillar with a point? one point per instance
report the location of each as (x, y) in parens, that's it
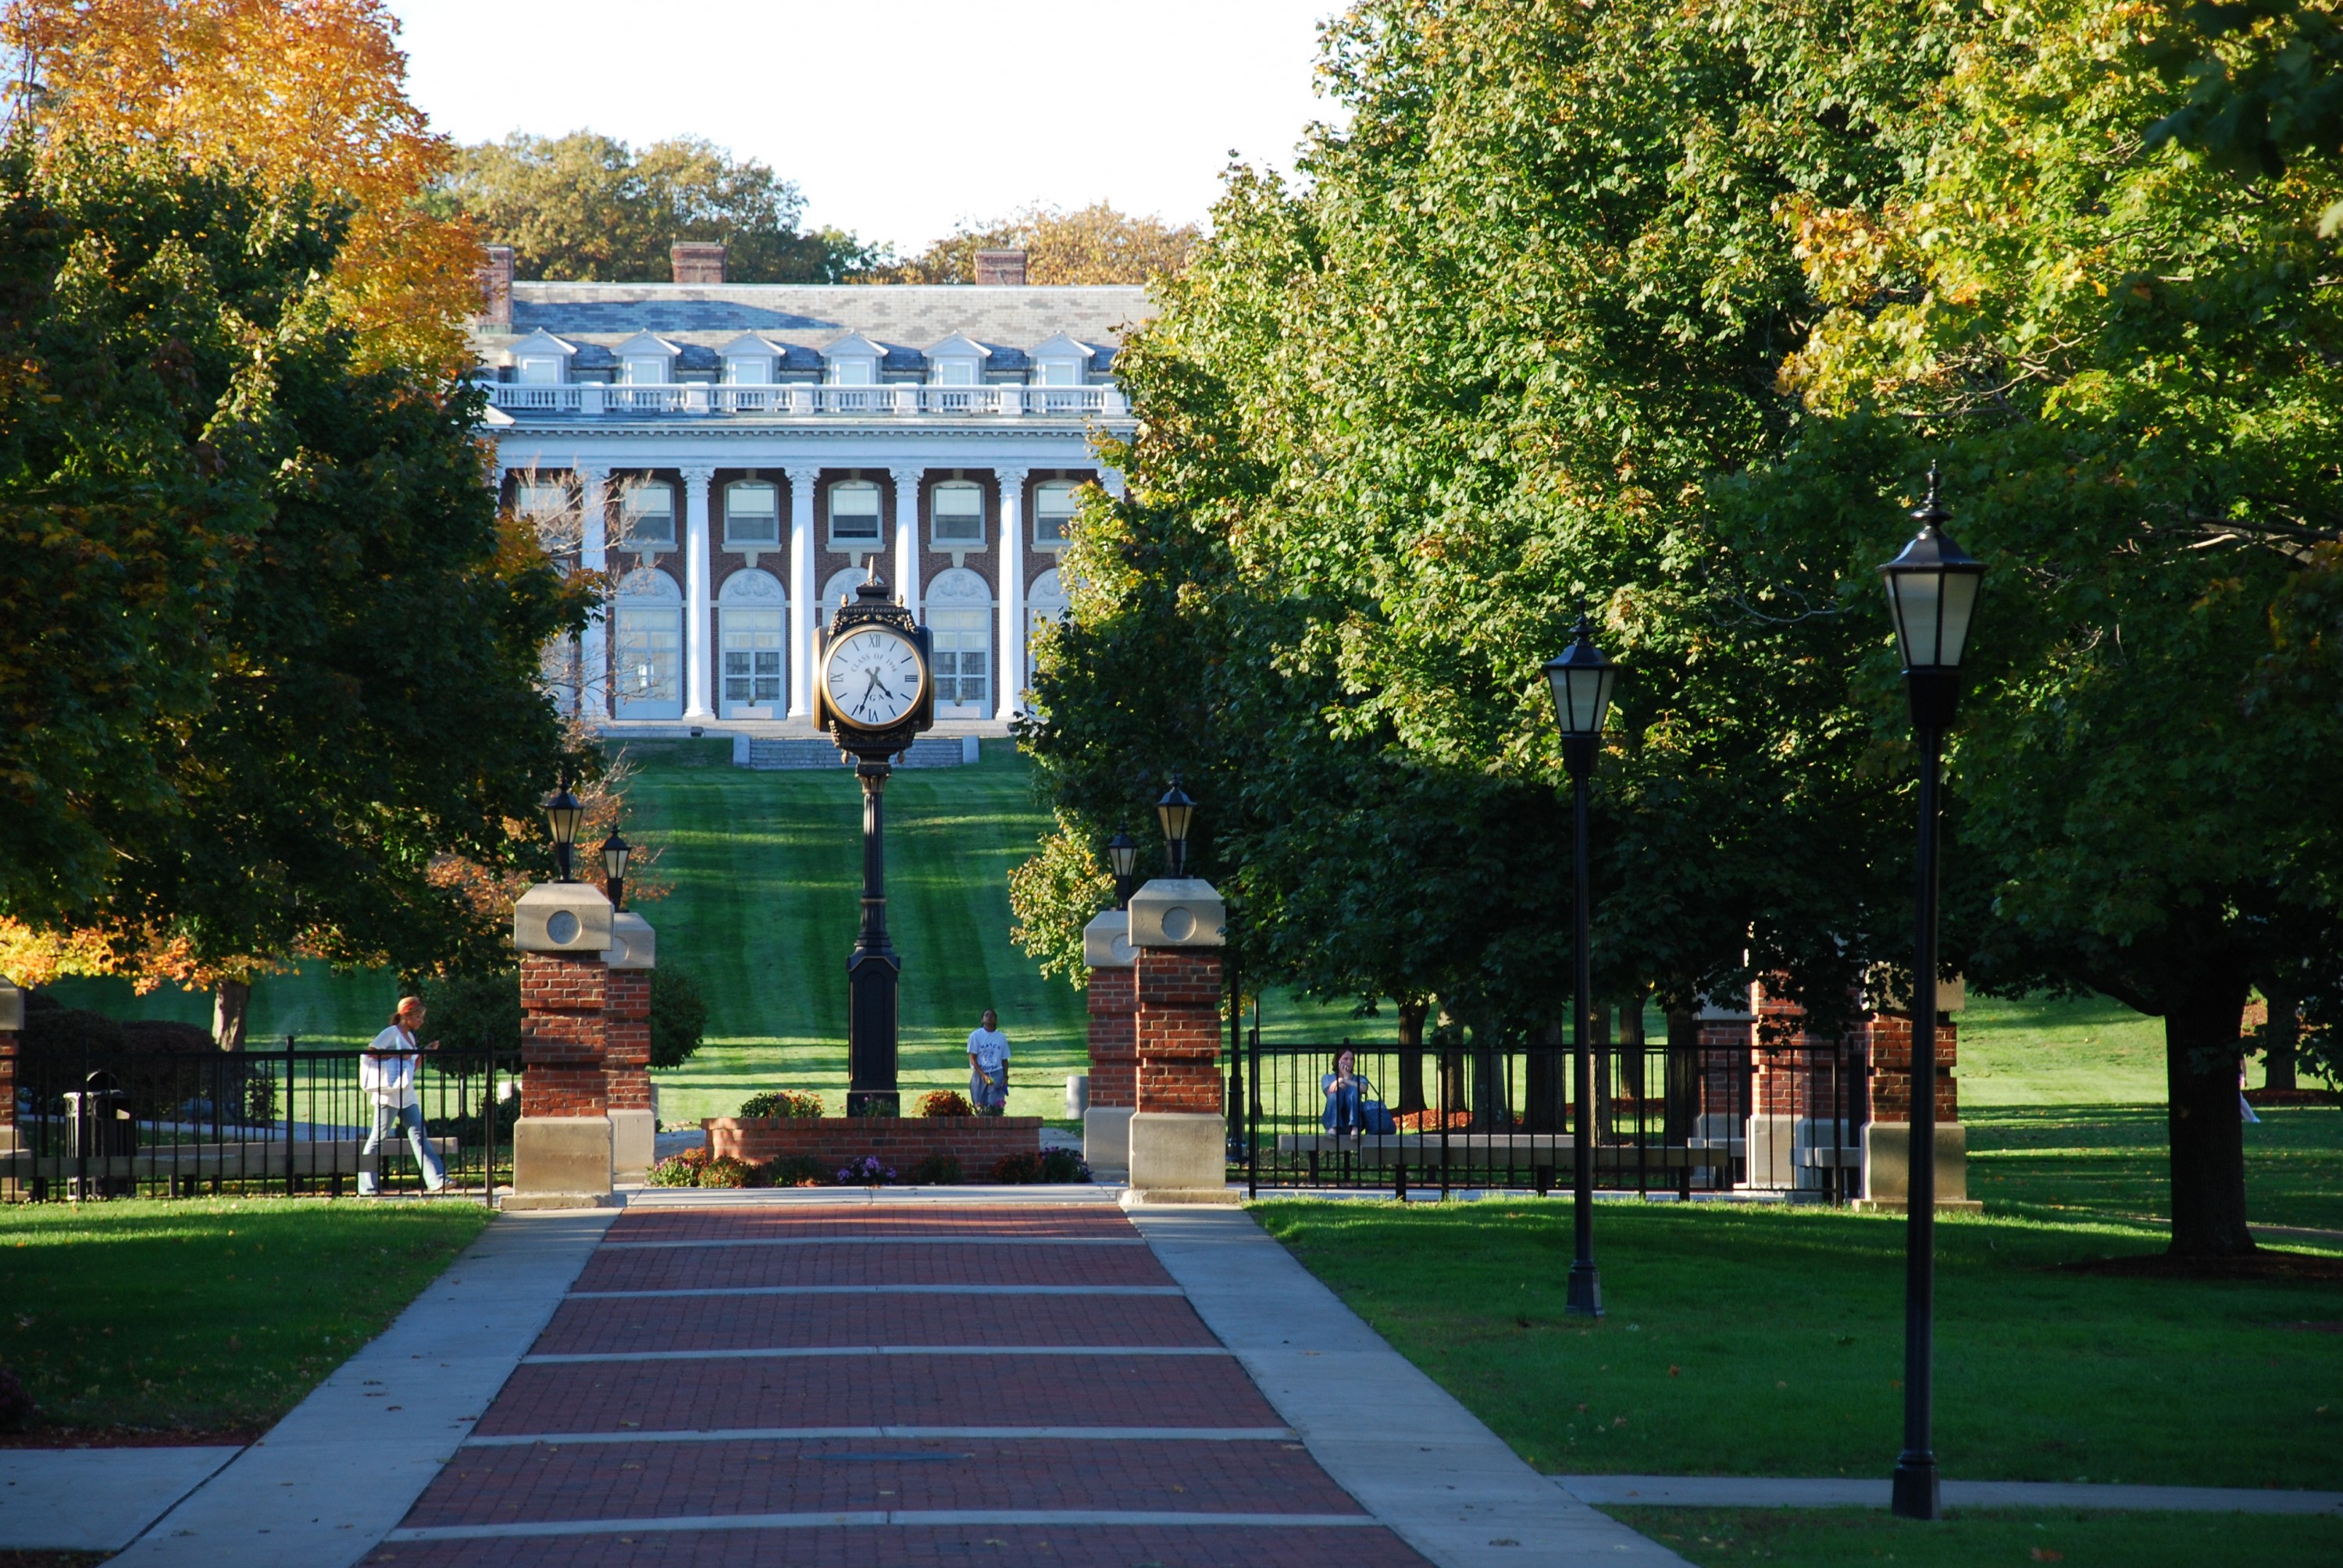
(1886, 989)
(12, 1007)
(1106, 942)
(633, 944)
(562, 917)
(1178, 912)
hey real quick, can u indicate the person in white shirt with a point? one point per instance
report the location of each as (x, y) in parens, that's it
(386, 1076)
(988, 1066)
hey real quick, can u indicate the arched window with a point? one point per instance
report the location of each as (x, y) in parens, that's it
(752, 514)
(752, 609)
(647, 647)
(960, 623)
(839, 590)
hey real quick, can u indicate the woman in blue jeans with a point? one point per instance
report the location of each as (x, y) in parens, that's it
(1343, 1089)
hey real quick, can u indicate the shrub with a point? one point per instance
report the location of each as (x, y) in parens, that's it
(726, 1171)
(1057, 1165)
(865, 1173)
(476, 1011)
(15, 1404)
(791, 1170)
(945, 1102)
(782, 1103)
(876, 1104)
(677, 1170)
(679, 1016)
(937, 1170)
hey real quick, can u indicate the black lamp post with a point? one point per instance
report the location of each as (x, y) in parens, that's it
(615, 851)
(563, 813)
(1582, 679)
(1932, 591)
(1175, 811)
(1123, 854)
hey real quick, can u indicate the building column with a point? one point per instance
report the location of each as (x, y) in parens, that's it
(1011, 676)
(696, 483)
(1113, 1042)
(805, 594)
(907, 535)
(594, 556)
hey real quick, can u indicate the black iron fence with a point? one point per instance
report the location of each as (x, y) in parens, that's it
(1687, 1119)
(93, 1123)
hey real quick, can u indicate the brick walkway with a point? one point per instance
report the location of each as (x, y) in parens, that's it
(852, 1384)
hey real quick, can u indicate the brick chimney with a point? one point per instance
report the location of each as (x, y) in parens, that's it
(1002, 268)
(495, 286)
(696, 260)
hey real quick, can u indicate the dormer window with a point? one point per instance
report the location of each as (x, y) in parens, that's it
(749, 372)
(539, 370)
(854, 515)
(1053, 510)
(1061, 373)
(956, 373)
(643, 370)
(854, 372)
(647, 516)
(957, 511)
(752, 514)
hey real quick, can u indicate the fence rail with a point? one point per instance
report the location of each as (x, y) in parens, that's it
(127, 1123)
(1691, 1121)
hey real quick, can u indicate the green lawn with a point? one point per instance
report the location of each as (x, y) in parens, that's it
(203, 1316)
(1973, 1538)
(1764, 1340)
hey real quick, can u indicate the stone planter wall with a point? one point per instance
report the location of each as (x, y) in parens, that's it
(978, 1142)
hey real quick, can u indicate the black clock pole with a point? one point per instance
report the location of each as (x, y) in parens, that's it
(873, 969)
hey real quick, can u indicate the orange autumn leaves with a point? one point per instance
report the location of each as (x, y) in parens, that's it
(290, 94)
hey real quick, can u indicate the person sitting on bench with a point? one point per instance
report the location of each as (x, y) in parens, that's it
(1344, 1089)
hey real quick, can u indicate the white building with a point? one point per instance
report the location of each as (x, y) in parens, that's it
(735, 455)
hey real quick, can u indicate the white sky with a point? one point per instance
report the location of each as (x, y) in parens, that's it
(897, 117)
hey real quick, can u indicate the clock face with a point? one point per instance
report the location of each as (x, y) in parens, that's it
(873, 677)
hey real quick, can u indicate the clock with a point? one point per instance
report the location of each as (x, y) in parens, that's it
(873, 677)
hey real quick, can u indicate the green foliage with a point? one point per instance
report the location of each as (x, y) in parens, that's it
(1054, 895)
(937, 1170)
(585, 207)
(681, 1170)
(1050, 1165)
(475, 1012)
(945, 1102)
(792, 1170)
(1964, 1537)
(679, 1016)
(781, 1103)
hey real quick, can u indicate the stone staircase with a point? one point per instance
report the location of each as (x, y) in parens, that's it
(766, 754)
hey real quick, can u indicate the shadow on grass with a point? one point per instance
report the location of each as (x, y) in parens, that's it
(1831, 1537)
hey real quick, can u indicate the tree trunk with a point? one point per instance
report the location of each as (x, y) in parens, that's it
(2279, 1037)
(1683, 1075)
(1455, 1093)
(1598, 1039)
(1546, 1076)
(231, 1004)
(2202, 1053)
(1631, 1065)
(1488, 1088)
(1410, 1057)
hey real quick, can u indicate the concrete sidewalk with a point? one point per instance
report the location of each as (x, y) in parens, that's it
(95, 1499)
(333, 1476)
(1772, 1491)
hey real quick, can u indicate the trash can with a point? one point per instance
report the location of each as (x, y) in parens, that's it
(99, 1127)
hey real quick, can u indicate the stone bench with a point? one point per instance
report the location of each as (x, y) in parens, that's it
(1527, 1150)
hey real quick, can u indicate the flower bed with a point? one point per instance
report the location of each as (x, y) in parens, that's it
(978, 1142)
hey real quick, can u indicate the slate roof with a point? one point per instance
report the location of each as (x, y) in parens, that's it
(802, 320)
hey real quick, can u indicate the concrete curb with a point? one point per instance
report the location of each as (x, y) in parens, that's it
(1772, 1491)
(337, 1475)
(1419, 1462)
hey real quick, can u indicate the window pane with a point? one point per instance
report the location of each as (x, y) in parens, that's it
(854, 511)
(959, 511)
(1053, 506)
(545, 372)
(853, 372)
(541, 500)
(955, 373)
(752, 513)
(1058, 373)
(648, 513)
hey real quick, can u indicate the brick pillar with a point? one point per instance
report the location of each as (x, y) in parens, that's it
(1114, 1044)
(563, 1031)
(1179, 1136)
(562, 1145)
(1179, 1030)
(1887, 1043)
(627, 1046)
(12, 1024)
(1888, 1036)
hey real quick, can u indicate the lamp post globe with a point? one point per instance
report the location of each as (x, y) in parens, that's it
(1932, 595)
(1175, 811)
(615, 851)
(1122, 856)
(562, 815)
(1581, 678)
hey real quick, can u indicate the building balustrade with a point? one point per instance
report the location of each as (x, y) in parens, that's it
(801, 400)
